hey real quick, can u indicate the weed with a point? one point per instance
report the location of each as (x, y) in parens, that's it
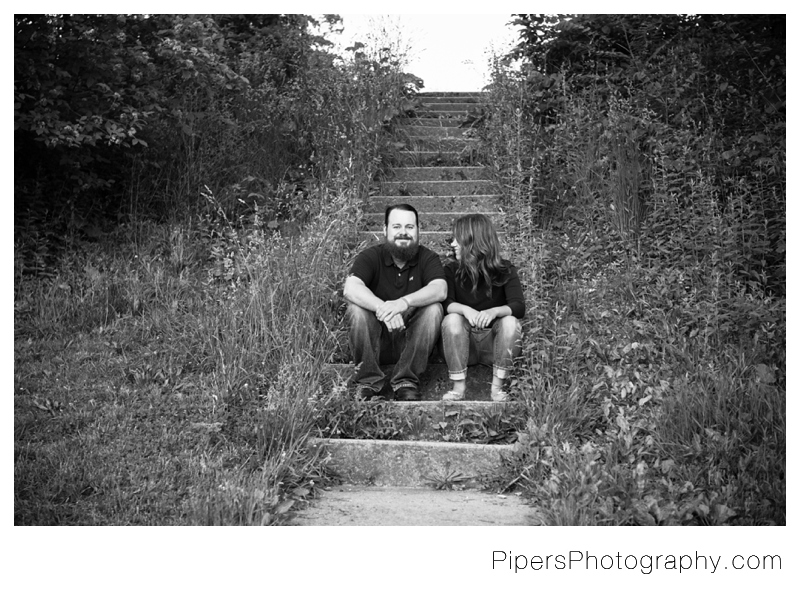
(447, 478)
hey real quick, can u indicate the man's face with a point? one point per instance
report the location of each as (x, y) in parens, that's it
(402, 234)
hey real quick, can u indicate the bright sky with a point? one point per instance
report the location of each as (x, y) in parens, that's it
(450, 52)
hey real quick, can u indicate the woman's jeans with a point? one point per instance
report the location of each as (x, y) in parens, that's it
(464, 345)
(372, 344)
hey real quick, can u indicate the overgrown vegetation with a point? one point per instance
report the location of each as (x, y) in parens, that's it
(177, 278)
(644, 163)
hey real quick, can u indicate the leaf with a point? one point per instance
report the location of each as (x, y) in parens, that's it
(284, 507)
(300, 492)
(723, 513)
(765, 374)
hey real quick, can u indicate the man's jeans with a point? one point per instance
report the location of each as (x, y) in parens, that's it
(495, 346)
(372, 344)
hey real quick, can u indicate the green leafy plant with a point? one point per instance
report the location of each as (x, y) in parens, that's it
(653, 266)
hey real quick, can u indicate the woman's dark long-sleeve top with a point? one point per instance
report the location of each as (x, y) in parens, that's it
(510, 293)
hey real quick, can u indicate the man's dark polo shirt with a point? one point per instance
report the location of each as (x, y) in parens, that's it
(375, 267)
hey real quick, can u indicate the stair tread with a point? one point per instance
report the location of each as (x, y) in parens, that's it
(410, 463)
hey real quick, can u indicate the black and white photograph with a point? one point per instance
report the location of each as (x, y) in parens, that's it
(406, 270)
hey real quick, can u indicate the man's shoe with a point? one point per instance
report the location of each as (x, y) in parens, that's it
(407, 393)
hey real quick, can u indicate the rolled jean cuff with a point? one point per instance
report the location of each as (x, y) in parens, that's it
(462, 375)
(500, 372)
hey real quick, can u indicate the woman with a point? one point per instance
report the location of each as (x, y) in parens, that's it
(483, 307)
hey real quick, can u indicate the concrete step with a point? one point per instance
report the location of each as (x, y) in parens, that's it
(400, 463)
(450, 93)
(469, 187)
(410, 122)
(471, 420)
(437, 203)
(452, 105)
(414, 141)
(455, 114)
(436, 240)
(432, 158)
(441, 173)
(476, 422)
(430, 221)
(476, 98)
(432, 131)
(434, 382)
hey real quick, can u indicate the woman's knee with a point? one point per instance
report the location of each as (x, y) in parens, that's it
(510, 325)
(453, 323)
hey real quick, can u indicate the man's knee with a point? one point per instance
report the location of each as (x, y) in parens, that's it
(358, 316)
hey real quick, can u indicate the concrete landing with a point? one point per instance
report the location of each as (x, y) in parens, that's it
(353, 505)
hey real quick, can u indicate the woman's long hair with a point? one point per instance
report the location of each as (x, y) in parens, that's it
(480, 253)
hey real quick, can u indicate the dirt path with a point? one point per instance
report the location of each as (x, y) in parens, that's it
(355, 505)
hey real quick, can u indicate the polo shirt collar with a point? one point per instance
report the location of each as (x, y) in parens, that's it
(388, 261)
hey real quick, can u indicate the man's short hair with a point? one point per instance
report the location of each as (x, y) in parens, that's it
(406, 207)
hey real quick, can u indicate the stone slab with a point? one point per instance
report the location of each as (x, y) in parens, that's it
(411, 463)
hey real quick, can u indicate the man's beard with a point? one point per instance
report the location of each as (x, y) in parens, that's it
(402, 253)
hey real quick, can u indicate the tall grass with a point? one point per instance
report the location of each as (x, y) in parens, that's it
(168, 373)
(241, 354)
(654, 360)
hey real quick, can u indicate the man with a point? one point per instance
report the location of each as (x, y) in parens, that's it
(394, 292)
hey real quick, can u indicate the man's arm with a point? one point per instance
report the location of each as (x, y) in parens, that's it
(435, 291)
(357, 292)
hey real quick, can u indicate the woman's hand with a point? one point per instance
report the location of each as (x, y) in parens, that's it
(480, 319)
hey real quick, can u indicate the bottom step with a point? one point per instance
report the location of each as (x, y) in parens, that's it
(358, 505)
(441, 465)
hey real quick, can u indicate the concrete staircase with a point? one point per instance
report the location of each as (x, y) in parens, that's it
(438, 173)
(445, 445)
